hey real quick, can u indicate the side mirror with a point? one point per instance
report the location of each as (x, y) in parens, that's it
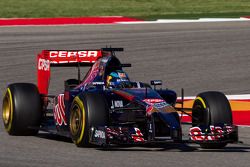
(156, 82)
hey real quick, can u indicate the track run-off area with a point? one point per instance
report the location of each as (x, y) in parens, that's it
(195, 56)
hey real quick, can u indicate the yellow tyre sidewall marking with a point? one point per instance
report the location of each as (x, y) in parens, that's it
(80, 103)
(202, 101)
(8, 92)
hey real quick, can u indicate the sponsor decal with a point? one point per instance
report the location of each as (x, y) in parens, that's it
(155, 105)
(43, 64)
(122, 80)
(98, 83)
(152, 101)
(73, 56)
(116, 104)
(43, 74)
(99, 134)
(59, 111)
(161, 105)
(65, 54)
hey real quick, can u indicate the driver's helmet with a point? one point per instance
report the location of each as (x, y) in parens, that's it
(118, 79)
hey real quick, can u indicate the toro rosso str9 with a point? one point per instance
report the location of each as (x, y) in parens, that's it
(106, 107)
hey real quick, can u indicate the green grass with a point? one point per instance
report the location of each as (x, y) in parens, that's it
(147, 9)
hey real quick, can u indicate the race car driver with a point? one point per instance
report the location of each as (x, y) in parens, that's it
(118, 79)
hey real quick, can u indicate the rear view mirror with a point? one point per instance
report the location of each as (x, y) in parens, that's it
(156, 82)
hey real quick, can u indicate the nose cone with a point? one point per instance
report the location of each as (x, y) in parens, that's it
(171, 119)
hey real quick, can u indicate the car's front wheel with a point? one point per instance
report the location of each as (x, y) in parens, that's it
(87, 110)
(211, 108)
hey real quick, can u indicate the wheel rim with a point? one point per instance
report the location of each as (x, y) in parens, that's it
(7, 110)
(75, 121)
(199, 110)
(78, 122)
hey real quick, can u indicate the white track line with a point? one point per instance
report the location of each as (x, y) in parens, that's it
(230, 97)
(201, 20)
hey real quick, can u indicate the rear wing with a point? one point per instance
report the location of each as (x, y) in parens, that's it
(62, 58)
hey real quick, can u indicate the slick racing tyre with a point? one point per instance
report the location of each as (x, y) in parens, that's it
(211, 108)
(22, 109)
(87, 110)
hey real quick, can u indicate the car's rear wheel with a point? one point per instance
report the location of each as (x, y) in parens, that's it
(87, 110)
(22, 109)
(211, 108)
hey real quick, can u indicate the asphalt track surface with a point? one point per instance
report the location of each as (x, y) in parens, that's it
(193, 56)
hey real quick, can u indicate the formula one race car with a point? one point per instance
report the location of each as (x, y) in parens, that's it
(106, 108)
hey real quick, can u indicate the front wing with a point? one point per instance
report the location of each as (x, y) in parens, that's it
(104, 136)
